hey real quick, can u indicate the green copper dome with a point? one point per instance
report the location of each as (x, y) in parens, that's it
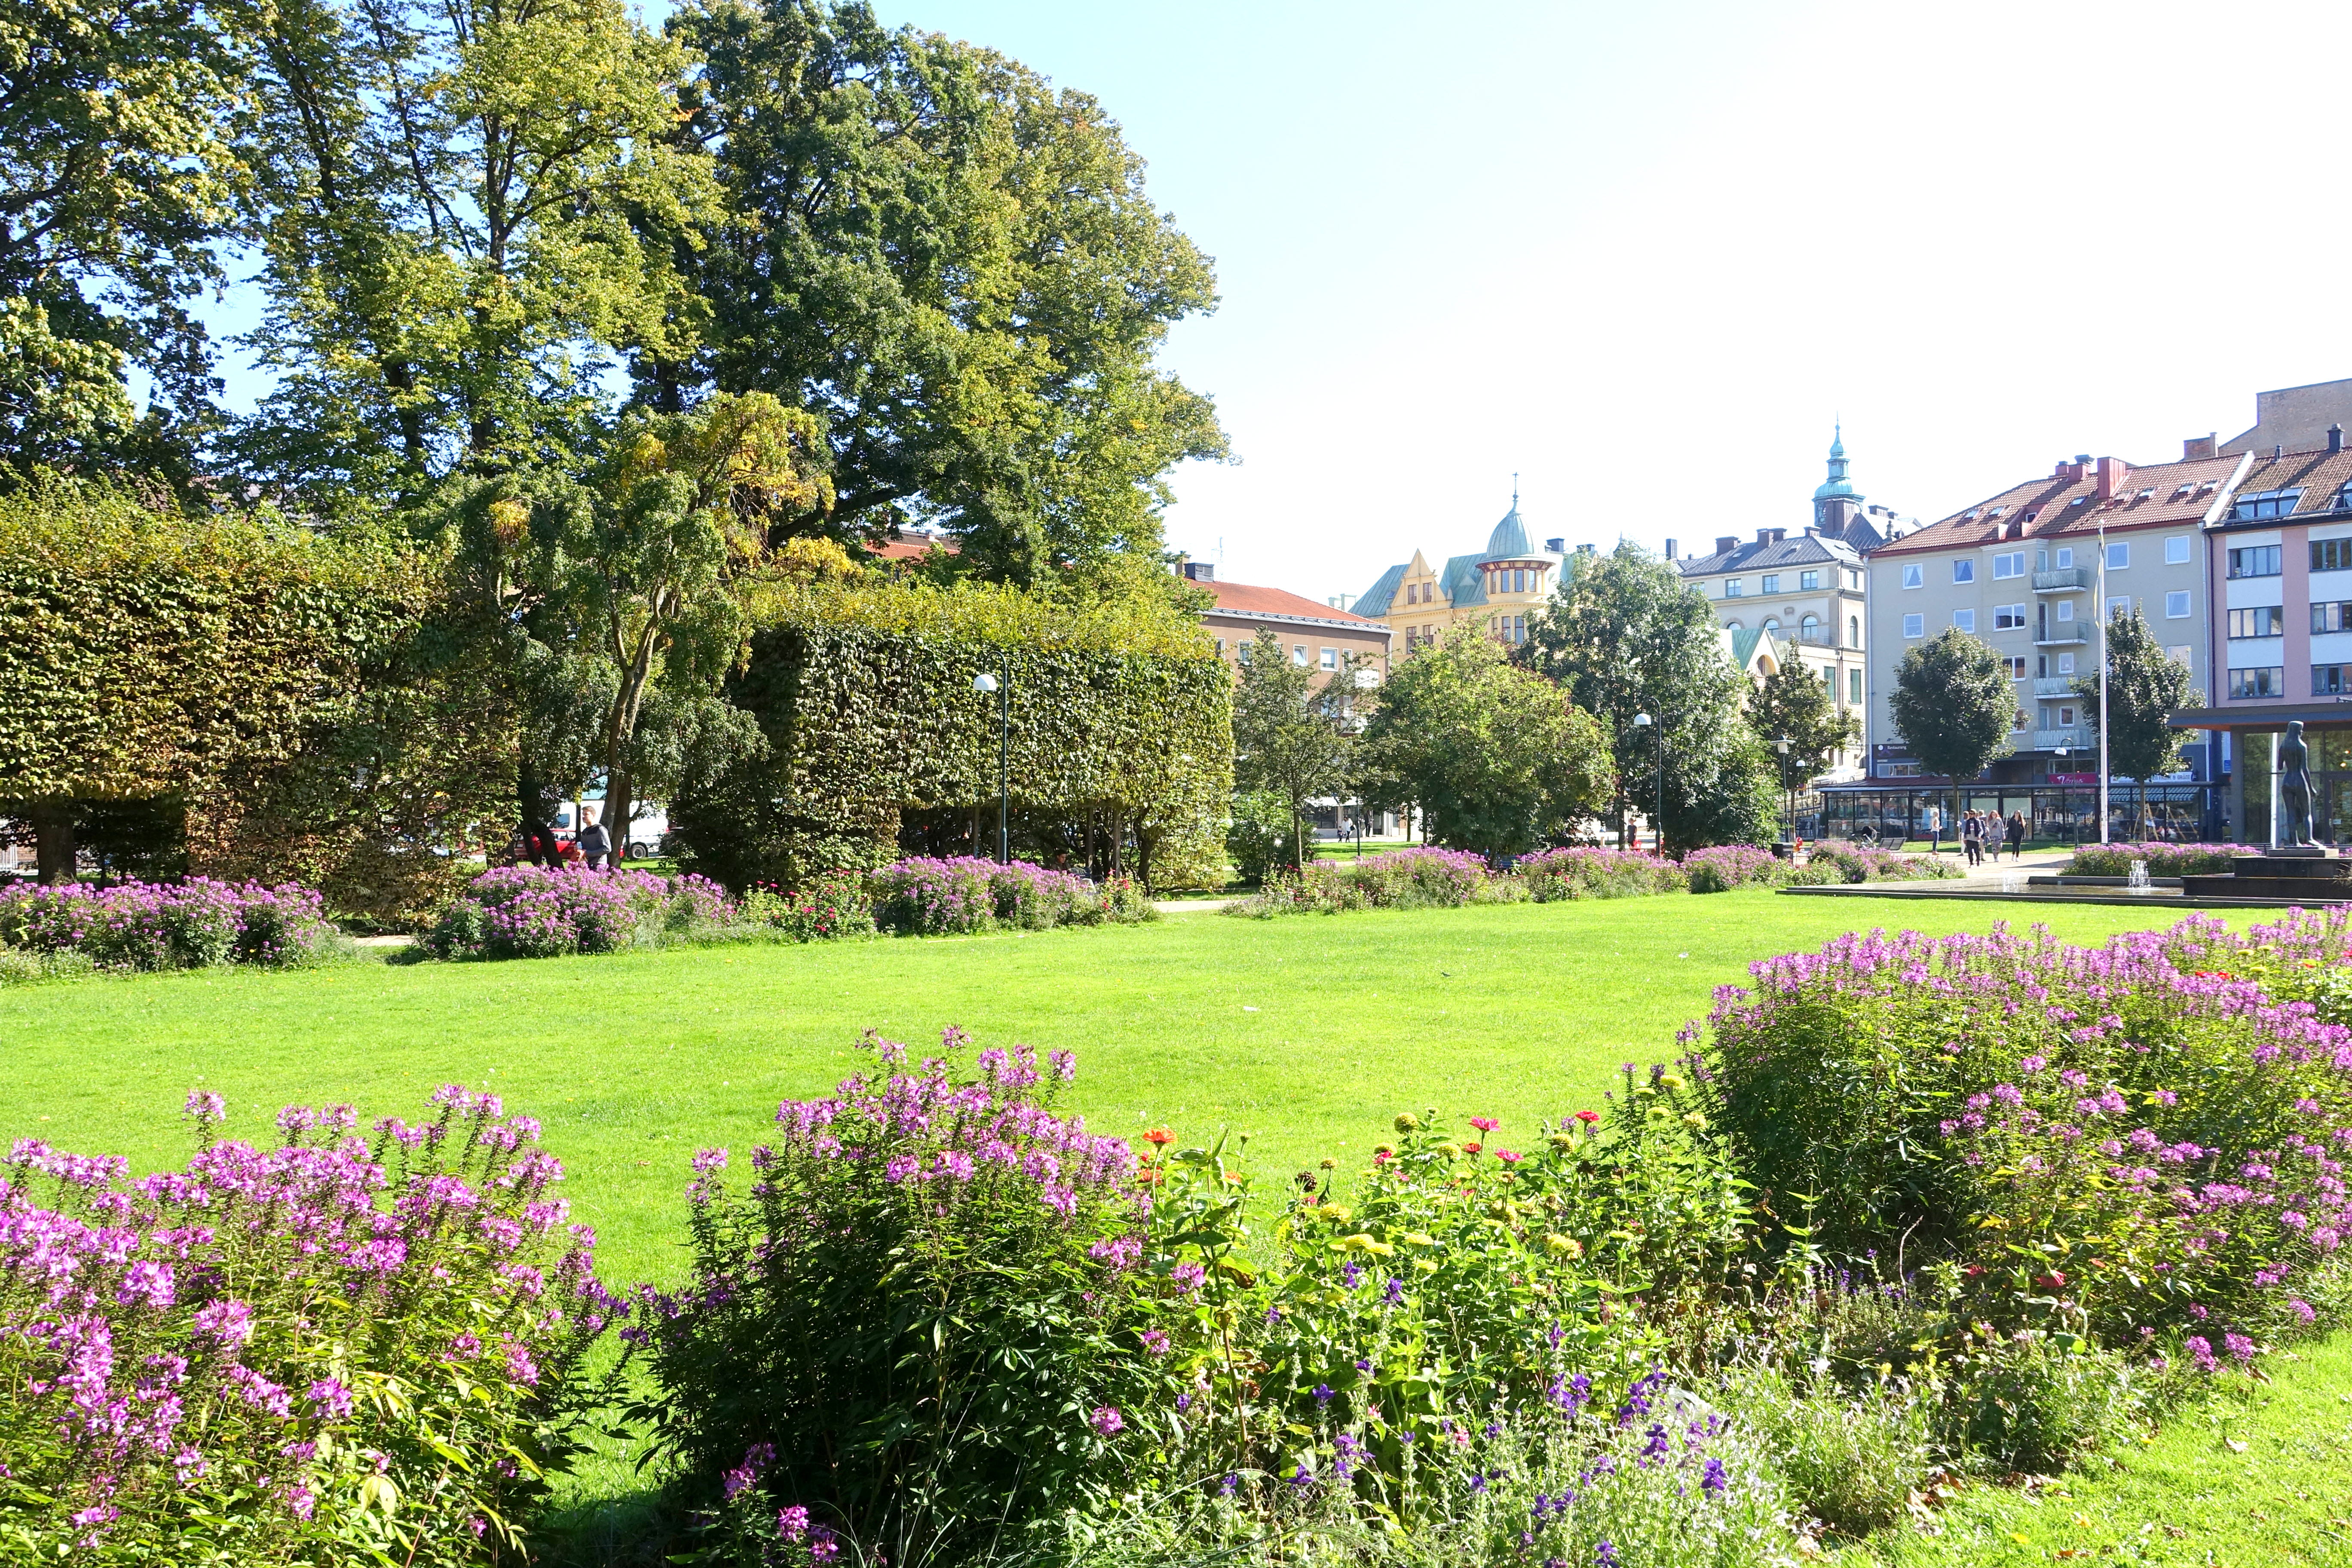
(1509, 540)
(1837, 487)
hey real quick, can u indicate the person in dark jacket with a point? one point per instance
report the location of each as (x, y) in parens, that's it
(2016, 836)
(596, 844)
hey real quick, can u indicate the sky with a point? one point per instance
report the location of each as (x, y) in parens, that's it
(1644, 254)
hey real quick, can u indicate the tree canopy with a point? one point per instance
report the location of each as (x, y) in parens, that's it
(1289, 740)
(1953, 705)
(2146, 687)
(1791, 705)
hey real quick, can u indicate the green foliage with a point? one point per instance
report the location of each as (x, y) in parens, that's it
(863, 694)
(1625, 634)
(2037, 1402)
(827, 907)
(1259, 839)
(1289, 740)
(1953, 705)
(2146, 687)
(1851, 1460)
(1498, 759)
(953, 266)
(1792, 706)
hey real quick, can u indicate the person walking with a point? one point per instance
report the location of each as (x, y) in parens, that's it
(1971, 836)
(596, 844)
(2016, 835)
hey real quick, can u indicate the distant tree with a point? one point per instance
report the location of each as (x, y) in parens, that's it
(1625, 634)
(1792, 706)
(2146, 687)
(1497, 758)
(1953, 706)
(1287, 740)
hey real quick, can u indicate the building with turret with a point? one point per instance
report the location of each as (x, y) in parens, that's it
(1497, 588)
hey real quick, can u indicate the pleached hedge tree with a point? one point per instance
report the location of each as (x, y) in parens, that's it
(1121, 733)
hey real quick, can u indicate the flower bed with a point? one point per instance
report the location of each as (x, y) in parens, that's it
(330, 1351)
(192, 924)
(1588, 872)
(543, 911)
(2162, 859)
(959, 895)
(1868, 863)
(1723, 867)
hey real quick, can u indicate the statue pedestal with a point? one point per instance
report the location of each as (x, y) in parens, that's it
(2307, 873)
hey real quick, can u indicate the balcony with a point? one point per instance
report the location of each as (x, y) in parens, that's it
(2051, 740)
(2065, 633)
(2065, 580)
(2053, 686)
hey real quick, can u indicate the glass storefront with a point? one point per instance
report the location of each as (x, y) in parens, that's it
(2170, 813)
(2331, 783)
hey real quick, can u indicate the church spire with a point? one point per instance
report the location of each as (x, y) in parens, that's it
(1837, 487)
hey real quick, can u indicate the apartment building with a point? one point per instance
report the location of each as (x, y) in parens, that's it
(1806, 592)
(1496, 588)
(1317, 636)
(2021, 571)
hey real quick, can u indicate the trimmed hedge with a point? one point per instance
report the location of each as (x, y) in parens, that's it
(2163, 859)
(1119, 716)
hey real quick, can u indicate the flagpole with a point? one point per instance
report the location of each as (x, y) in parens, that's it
(2105, 716)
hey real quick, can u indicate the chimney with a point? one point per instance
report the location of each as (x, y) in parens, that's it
(1200, 571)
(1560, 546)
(2336, 437)
(1670, 550)
(2278, 451)
(2113, 475)
(2196, 446)
(1724, 544)
(2070, 472)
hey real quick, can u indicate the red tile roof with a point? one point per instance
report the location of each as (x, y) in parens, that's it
(1242, 599)
(911, 549)
(2152, 497)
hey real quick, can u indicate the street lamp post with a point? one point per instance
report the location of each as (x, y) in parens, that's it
(2065, 752)
(985, 683)
(1644, 721)
(1788, 796)
(2104, 725)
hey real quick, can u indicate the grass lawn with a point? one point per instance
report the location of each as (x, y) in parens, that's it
(1306, 1034)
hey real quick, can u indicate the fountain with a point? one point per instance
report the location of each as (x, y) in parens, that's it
(2136, 879)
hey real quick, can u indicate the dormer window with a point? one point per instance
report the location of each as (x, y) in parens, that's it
(2262, 504)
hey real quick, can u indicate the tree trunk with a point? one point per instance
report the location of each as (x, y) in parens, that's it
(620, 805)
(54, 850)
(538, 832)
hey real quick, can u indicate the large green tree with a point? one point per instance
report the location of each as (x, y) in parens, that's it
(2146, 687)
(1497, 758)
(1627, 636)
(1953, 705)
(1792, 708)
(121, 178)
(454, 252)
(954, 266)
(1290, 742)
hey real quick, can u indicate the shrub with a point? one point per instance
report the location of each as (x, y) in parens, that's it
(1728, 866)
(2028, 1403)
(192, 924)
(924, 1320)
(2162, 859)
(2111, 1139)
(1317, 888)
(1869, 863)
(1594, 873)
(1031, 897)
(1853, 1461)
(324, 1352)
(932, 897)
(1259, 837)
(543, 912)
(1421, 878)
(825, 906)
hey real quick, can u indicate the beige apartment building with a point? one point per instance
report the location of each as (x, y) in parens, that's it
(1497, 589)
(2020, 571)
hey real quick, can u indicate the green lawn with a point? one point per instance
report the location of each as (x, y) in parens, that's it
(1306, 1034)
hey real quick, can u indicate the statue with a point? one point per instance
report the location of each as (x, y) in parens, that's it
(2294, 789)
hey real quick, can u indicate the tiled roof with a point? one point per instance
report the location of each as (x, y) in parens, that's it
(2161, 495)
(1243, 599)
(913, 548)
(1802, 551)
(1461, 581)
(2320, 476)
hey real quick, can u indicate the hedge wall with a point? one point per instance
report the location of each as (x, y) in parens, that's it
(1120, 716)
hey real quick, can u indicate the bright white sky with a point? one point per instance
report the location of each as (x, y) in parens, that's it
(1643, 254)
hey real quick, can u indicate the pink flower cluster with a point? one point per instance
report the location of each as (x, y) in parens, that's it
(1591, 872)
(189, 924)
(543, 911)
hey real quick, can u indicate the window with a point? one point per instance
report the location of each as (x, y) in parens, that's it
(1829, 683)
(2118, 557)
(2065, 716)
(2262, 620)
(1809, 580)
(1914, 577)
(1771, 622)
(2176, 605)
(2327, 681)
(1853, 631)
(1330, 659)
(2065, 664)
(1854, 686)
(1731, 587)
(1915, 626)
(2178, 654)
(1965, 620)
(2009, 563)
(1733, 626)
(1771, 584)
(2262, 504)
(1964, 570)
(2065, 557)
(2270, 682)
(2022, 720)
(1854, 580)
(2042, 560)
(2331, 618)
(2254, 561)
(1412, 593)
(2065, 609)
(2015, 664)
(1221, 646)
(2118, 608)
(2007, 617)
(1298, 653)
(2331, 555)
(2176, 551)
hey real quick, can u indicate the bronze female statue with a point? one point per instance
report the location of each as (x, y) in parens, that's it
(2294, 789)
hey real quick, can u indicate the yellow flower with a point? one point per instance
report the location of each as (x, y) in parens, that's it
(1407, 1121)
(1560, 1246)
(1672, 1080)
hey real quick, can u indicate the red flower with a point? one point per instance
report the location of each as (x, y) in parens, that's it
(1507, 1156)
(1472, 1148)
(1160, 1136)
(1485, 1123)
(1587, 1116)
